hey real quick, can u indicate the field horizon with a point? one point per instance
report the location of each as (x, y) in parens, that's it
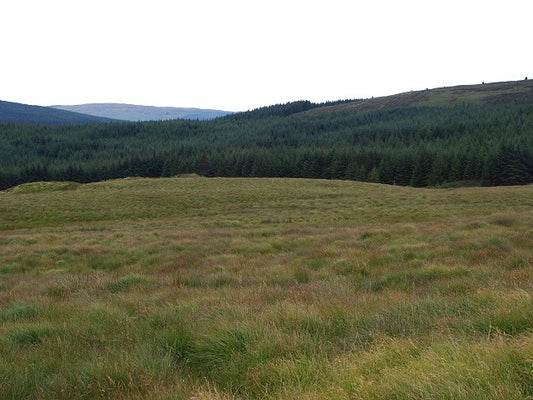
(265, 288)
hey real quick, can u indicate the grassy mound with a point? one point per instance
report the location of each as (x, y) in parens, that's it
(34, 187)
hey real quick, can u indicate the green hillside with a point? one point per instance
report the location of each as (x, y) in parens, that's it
(196, 288)
(466, 135)
(23, 113)
(485, 93)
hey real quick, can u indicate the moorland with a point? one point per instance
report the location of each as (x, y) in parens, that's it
(260, 288)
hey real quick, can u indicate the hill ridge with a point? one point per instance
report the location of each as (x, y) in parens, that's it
(135, 112)
(492, 92)
(25, 113)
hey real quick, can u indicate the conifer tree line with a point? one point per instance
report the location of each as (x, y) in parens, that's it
(418, 146)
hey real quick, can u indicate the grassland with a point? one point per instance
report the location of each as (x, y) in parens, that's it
(265, 289)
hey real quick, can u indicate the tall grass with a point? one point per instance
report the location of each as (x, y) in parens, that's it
(265, 288)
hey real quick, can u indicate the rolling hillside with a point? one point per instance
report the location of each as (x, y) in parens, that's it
(130, 112)
(485, 93)
(23, 113)
(466, 135)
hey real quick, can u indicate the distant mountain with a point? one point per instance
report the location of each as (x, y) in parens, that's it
(23, 113)
(131, 112)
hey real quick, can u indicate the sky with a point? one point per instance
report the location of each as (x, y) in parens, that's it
(237, 55)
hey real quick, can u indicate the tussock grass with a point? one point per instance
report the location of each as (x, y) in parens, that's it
(265, 288)
(125, 283)
(19, 311)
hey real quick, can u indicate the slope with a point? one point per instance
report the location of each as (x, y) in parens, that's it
(23, 113)
(485, 93)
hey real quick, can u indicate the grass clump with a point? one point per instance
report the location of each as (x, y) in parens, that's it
(402, 369)
(511, 314)
(177, 343)
(125, 283)
(406, 280)
(109, 263)
(19, 311)
(301, 275)
(31, 335)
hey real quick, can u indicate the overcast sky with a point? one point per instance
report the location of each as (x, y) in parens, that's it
(238, 55)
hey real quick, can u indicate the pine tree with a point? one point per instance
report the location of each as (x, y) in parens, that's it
(373, 175)
(421, 169)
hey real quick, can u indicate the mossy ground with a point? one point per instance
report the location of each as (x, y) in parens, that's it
(265, 288)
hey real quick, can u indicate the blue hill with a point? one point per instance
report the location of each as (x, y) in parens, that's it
(23, 113)
(131, 112)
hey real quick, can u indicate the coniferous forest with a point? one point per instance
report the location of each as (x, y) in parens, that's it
(420, 144)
